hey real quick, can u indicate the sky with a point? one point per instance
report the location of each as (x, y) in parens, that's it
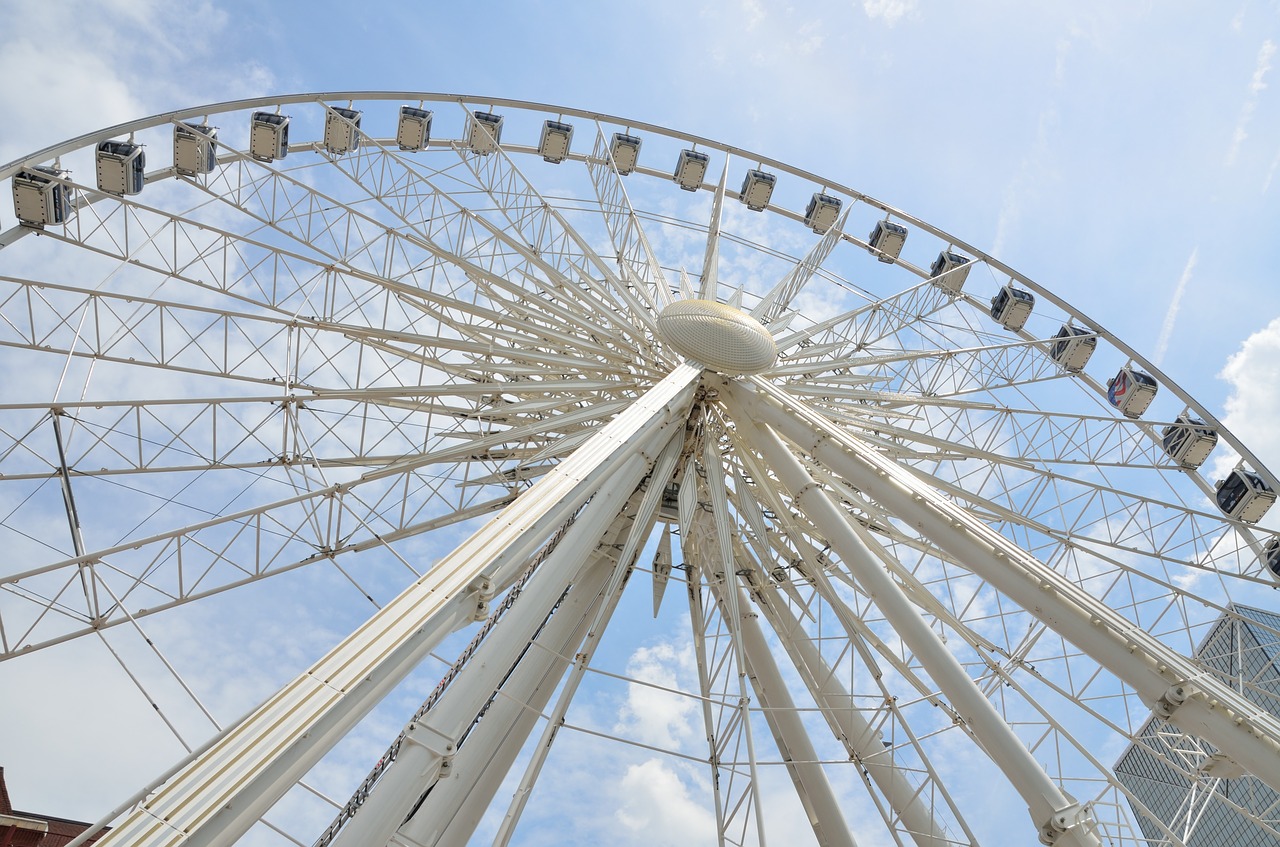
(1122, 154)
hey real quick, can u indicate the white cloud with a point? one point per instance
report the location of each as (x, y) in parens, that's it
(1171, 316)
(889, 11)
(658, 806)
(80, 91)
(1254, 404)
(1256, 85)
(809, 38)
(651, 715)
(105, 63)
(1060, 62)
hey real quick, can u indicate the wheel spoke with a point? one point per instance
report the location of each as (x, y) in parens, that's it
(929, 568)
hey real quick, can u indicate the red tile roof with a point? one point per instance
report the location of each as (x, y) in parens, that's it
(30, 829)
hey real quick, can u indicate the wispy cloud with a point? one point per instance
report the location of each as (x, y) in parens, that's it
(1171, 316)
(658, 717)
(752, 13)
(889, 11)
(1271, 173)
(660, 809)
(1256, 85)
(1034, 171)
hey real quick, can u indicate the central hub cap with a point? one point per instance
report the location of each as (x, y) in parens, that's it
(718, 336)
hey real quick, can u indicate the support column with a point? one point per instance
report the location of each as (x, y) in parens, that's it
(219, 796)
(640, 532)
(860, 739)
(789, 732)
(1176, 688)
(429, 745)
(87, 580)
(1060, 819)
(721, 572)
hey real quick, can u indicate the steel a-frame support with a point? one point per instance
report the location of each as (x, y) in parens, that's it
(789, 732)
(761, 671)
(1182, 692)
(862, 741)
(219, 795)
(645, 518)
(1061, 820)
(520, 662)
(455, 807)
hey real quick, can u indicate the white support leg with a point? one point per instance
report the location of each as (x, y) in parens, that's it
(430, 744)
(1060, 819)
(456, 804)
(723, 573)
(812, 785)
(218, 797)
(640, 531)
(1176, 688)
(699, 625)
(862, 741)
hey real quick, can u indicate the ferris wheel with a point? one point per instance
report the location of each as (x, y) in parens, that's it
(675, 489)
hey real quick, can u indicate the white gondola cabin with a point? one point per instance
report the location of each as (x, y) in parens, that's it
(949, 271)
(625, 151)
(821, 213)
(413, 130)
(1244, 495)
(554, 143)
(484, 132)
(757, 189)
(1188, 441)
(268, 136)
(121, 167)
(1011, 307)
(342, 130)
(1131, 391)
(194, 150)
(1271, 558)
(886, 240)
(39, 199)
(1072, 347)
(691, 167)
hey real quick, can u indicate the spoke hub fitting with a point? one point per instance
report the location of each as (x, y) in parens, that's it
(718, 336)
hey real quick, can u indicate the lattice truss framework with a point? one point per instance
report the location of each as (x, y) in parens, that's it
(913, 555)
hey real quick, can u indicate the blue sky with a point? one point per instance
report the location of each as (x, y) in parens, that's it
(1096, 147)
(1125, 155)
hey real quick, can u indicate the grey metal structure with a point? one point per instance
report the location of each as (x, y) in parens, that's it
(465, 389)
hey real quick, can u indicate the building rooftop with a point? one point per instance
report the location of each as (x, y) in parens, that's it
(32, 829)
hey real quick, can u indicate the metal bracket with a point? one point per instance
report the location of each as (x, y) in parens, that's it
(1063, 821)
(482, 587)
(1170, 700)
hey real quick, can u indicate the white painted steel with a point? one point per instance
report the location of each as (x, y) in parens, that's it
(639, 532)
(812, 786)
(388, 342)
(1045, 800)
(320, 705)
(860, 738)
(717, 335)
(1212, 710)
(433, 740)
(455, 812)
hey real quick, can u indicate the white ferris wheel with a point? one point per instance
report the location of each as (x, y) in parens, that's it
(514, 393)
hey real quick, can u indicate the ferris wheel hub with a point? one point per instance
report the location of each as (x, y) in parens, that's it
(718, 336)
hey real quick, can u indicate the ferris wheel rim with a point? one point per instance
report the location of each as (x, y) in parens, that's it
(1201, 411)
(466, 101)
